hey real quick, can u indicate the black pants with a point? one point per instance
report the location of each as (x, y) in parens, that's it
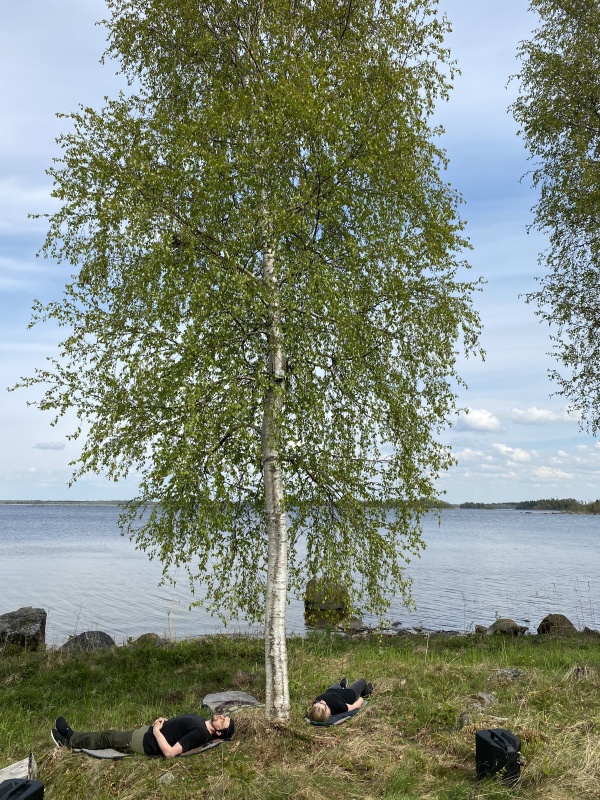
(358, 687)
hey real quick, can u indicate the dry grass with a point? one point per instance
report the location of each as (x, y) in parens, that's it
(580, 672)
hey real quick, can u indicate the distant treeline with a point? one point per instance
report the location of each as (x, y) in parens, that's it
(488, 505)
(568, 504)
(554, 504)
(62, 502)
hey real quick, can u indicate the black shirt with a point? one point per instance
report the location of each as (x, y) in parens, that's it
(189, 730)
(338, 700)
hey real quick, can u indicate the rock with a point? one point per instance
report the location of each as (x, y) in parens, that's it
(323, 595)
(591, 631)
(354, 626)
(482, 699)
(507, 627)
(166, 778)
(149, 639)
(509, 674)
(556, 624)
(325, 603)
(87, 641)
(481, 628)
(25, 627)
(464, 720)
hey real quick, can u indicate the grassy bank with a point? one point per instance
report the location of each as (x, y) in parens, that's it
(406, 745)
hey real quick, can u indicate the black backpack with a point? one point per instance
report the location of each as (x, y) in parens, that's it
(497, 750)
(21, 789)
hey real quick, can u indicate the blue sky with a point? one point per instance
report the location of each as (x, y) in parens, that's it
(517, 442)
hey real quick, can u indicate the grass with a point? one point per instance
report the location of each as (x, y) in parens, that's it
(406, 745)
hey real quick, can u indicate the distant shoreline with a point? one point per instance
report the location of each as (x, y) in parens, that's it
(557, 506)
(63, 502)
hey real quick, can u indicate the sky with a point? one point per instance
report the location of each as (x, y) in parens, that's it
(516, 443)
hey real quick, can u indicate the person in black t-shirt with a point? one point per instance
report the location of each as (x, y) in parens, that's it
(339, 699)
(166, 737)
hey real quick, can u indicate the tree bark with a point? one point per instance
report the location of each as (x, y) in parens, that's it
(277, 690)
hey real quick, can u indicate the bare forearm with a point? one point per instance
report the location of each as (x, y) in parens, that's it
(357, 704)
(168, 751)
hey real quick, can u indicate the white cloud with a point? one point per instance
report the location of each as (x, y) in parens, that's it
(550, 474)
(477, 419)
(468, 454)
(514, 454)
(541, 416)
(49, 446)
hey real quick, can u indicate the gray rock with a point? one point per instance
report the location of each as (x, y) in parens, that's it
(25, 627)
(591, 631)
(509, 674)
(166, 778)
(464, 720)
(354, 626)
(88, 641)
(481, 628)
(507, 627)
(556, 624)
(149, 640)
(481, 700)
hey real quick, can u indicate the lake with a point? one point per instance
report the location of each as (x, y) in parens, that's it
(478, 565)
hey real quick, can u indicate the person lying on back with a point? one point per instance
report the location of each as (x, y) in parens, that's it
(166, 737)
(339, 699)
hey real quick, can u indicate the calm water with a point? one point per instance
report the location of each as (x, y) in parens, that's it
(72, 561)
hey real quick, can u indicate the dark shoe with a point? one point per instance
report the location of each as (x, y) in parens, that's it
(344, 683)
(63, 728)
(58, 739)
(368, 690)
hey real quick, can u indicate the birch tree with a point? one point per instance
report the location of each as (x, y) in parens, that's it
(267, 301)
(559, 114)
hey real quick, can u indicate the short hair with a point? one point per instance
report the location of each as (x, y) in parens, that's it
(228, 732)
(318, 713)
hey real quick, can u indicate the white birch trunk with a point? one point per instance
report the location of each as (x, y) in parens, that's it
(277, 689)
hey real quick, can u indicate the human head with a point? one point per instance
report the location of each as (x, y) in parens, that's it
(223, 726)
(319, 711)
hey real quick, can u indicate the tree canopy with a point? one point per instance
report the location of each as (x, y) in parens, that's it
(559, 114)
(267, 308)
